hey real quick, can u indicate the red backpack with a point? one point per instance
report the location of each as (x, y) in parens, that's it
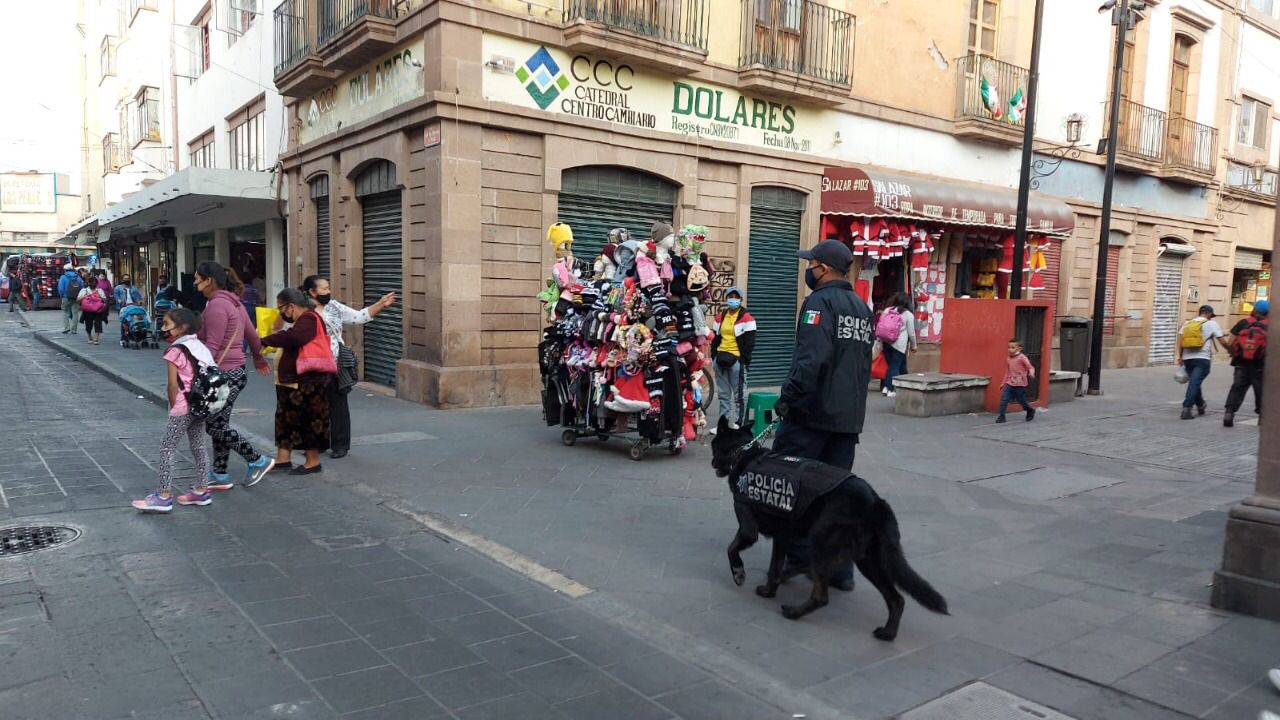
(1251, 341)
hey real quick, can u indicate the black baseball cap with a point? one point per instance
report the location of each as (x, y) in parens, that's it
(1207, 309)
(832, 253)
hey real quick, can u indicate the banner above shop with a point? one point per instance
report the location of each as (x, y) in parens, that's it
(392, 80)
(873, 193)
(591, 88)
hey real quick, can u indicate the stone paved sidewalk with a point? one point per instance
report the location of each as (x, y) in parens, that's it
(1076, 551)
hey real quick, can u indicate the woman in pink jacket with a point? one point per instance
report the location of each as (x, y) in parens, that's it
(224, 330)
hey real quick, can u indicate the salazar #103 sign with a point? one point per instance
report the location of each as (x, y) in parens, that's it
(612, 91)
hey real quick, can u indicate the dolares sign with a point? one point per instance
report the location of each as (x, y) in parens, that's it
(612, 91)
(393, 80)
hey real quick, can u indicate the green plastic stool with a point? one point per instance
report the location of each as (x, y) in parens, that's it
(760, 410)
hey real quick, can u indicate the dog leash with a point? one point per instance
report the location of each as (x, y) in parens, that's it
(766, 432)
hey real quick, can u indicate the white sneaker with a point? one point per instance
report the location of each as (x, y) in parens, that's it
(892, 394)
(1275, 678)
(1268, 715)
(884, 392)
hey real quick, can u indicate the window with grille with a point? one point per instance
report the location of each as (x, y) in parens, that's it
(200, 150)
(107, 56)
(245, 130)
(1245, 177)
(1255, 119)
(984, 23)
(112, 154)
(148, 114)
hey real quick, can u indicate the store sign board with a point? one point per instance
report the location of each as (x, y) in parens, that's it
(392, 80)
(28, 193)
(607, 90)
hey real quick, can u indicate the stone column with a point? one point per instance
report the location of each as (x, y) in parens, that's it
(277, 270)
(1249, 581)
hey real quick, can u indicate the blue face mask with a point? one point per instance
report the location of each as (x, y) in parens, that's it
(733, 303)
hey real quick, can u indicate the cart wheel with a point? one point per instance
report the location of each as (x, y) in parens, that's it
(637, 451)
(569, 437)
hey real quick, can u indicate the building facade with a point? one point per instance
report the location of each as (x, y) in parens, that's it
(35, 208)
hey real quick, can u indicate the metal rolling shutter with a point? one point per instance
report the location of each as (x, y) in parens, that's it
(383, 273)
(324, 263)
(1164, 312)
(1109, 300)
(597, 199)
(772, 277)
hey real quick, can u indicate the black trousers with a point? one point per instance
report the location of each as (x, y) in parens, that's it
(832, 448)
(1247, 375)
(339, 419)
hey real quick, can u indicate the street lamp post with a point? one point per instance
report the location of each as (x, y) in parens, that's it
(1028, 143)
(1123, 17)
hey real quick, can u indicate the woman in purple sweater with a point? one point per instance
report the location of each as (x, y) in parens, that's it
(224, 330)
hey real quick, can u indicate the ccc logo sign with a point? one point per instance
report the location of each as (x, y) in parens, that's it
(602, 72)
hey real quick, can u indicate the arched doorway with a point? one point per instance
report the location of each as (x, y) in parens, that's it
(773, 274)
(379, 195)
(598, 198)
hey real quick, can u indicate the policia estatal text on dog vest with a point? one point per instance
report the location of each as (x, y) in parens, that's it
(786, 486)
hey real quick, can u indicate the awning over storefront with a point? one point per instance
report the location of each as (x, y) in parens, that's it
(82, 233)
(874, 193)
(195, 200)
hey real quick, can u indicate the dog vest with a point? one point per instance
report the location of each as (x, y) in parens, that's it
(786, 486)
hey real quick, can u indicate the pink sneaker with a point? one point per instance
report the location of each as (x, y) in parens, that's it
(154, 503)
(195, 498)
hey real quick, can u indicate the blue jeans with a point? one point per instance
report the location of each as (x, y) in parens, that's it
(897, 365)
(832, 448)
(730, 386)
(1014, 394)
(1197, 370)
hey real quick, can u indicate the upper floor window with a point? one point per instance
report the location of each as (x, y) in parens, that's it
(204, 63)
(788, 12)
(107, 56)
(200, 150)
(1255, 119)
(136, 5)
(1180, 79)
(242, 14)
(1266, 7)
(984, 22)
(245, 132)
(112, 153)
(1252, 178)
(148, 114)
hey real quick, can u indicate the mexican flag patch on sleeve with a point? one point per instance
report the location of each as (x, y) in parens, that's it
(811, 317)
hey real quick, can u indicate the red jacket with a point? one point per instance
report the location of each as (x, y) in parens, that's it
(1018, 371)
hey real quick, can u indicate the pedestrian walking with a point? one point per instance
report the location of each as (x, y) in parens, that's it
(896, 331)
(93, 312)
(1196, 340)
(105, 285)
(735, 338)
(224, 329)
(15, 282)
(1248, 348)
(302, 380)
(86, 281)
(335, 316)
(69, 287)
(1018, 374)
(126, 294)
(824, 399)
(185, 358)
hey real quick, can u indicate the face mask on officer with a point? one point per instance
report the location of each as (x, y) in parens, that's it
(811, 279)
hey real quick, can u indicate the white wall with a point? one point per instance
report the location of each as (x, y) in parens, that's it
(1075, 66)
(239, 72)
(1160, 54)
(1259, 73)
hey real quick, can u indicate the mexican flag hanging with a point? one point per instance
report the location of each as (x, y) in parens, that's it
(991, 98)
(1017, 106)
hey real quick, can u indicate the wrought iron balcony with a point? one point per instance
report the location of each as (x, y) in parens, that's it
(337, 16)
(991, 99)
(1173, 147)
(798, 37)
(291, 44)
(677, 21)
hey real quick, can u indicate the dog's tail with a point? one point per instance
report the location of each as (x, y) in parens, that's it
(904, 576)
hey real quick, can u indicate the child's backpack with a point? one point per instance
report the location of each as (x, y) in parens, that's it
(1193, 334)
(93, 302)
(210, 387)
(1251, 342)
(889, 326)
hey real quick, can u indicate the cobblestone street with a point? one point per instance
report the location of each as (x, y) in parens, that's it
(1075, 551)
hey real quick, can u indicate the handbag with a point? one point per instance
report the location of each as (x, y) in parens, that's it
(348, 369)
(316, 356)
(879, 367)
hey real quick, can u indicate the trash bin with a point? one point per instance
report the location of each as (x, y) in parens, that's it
(1075, 336)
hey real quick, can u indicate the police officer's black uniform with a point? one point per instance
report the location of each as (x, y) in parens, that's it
(824, 399)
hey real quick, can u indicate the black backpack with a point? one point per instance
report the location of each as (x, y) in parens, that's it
(74, 286)
(210, 387)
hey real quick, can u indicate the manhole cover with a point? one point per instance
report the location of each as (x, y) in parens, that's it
(19, 540)
(981, 701)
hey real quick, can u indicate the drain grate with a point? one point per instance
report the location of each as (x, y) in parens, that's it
(19, 540)
(981, 701)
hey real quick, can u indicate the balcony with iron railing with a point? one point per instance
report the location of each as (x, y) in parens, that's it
(668, 35)
(1149, 140)
(798, 48)
(991, 100)
(300, 71)
(350, 33)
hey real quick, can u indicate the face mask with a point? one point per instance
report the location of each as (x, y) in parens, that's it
(168, 336)
(733, 304)
(324, 299)
(810, 279)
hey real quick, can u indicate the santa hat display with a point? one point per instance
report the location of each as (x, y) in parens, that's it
(629, 394)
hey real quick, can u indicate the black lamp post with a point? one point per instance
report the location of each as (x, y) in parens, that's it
(1124, 15)
(1028, 143)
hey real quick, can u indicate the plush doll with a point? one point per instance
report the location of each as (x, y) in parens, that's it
(690, 241)
(606, 267)
(560, 236)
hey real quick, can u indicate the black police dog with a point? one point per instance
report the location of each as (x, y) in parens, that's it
(850, 523)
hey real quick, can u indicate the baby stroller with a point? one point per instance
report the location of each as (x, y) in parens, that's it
(135, 329)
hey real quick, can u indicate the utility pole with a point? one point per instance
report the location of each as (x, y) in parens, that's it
(1028, 146)
(1123, 17)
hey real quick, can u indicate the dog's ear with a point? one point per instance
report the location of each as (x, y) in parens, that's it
(723, 425)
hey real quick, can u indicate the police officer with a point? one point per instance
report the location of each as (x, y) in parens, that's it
(824, 399)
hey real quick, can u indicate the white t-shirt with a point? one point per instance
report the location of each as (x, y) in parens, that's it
(1209, 330)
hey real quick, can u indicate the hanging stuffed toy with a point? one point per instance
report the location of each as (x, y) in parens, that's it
(991, 98)
(606, 267)
(1017, 107)
(690, 241)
